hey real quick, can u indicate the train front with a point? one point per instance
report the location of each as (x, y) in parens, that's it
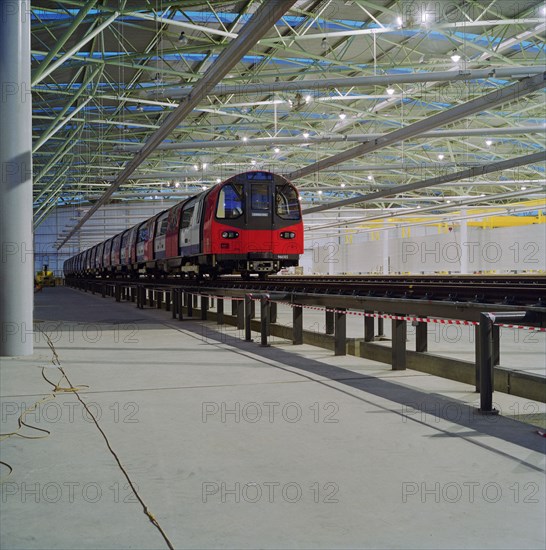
(254, 225)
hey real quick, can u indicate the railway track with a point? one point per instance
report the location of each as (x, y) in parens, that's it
(498, 289)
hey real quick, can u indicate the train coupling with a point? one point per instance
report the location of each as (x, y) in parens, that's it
(263, 266)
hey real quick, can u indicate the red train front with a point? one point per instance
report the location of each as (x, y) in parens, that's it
(251, 223)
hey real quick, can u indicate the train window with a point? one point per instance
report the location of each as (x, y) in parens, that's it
(186, 217)
(287, 204)
(162, 225)
(230, 202)
(259, 196)
(143, 234)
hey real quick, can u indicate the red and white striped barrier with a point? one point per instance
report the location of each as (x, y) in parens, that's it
(381, 315)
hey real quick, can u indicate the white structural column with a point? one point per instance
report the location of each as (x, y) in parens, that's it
(16, 261)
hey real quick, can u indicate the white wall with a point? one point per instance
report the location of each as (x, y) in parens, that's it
(503, 250)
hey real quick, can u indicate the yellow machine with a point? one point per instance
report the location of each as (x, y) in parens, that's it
(45, 277)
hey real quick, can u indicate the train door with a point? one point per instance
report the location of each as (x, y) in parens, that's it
(260, 218)
(160, 232)
(189, 229)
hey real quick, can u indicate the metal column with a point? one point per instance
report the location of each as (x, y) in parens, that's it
(421, 342)
(248, 317)
(220, 311)
(340, 345)
(369, 323)
(329, 322)
(17, 261)
(297, 324)
(399, 331)
(204, 307)
(265, 312)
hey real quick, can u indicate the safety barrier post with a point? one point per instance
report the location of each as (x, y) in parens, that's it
(399, 333)
(190, 302)
(330, 322)
(369, 323)
(180, 304)
(421, 337)
(204, 307)
(168, 300)
(273, 312)
(220, 311)
(380, 329)
(340, 345)
(240, 314)
(489, 354)
(174, 308)
(297, 325)
(265, 312)
(248, 317)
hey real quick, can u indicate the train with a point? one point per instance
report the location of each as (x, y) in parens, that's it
(248, 224)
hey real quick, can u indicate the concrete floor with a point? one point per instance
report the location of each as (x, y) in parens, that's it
(231, 445)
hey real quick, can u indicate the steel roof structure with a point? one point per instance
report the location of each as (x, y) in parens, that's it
(378, 104)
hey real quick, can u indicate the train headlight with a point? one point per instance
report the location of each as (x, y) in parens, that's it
(288, 235)
(230, 234)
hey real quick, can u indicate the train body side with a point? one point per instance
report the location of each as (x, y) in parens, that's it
(251, 223)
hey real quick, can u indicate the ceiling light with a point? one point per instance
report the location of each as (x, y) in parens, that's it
(390, 90)
(399, 21)
(455, 56)
(183, 39)
(441, 157)
(204, 187)
(177, 184)
(370, 177)
(482, 195)
(308, 99)
(523, 188)
(245, 139)
(448, 201)
(342, 115)
(324, 44)
(305, 135)
(319, 192)
(253, 162)
(218, 180)
(205, 166)
(489, 142)
(342, 185)
(277, 150)
(195, 167)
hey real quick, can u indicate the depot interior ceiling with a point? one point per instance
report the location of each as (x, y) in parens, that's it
(329, 75)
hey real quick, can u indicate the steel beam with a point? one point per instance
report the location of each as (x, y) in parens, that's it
(89, 36)
(261, 142)
(359, 81)
(509, 93)
(448, 178)
(56, 47)
(265, 17)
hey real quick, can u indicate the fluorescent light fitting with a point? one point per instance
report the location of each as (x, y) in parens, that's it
(455, 56)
